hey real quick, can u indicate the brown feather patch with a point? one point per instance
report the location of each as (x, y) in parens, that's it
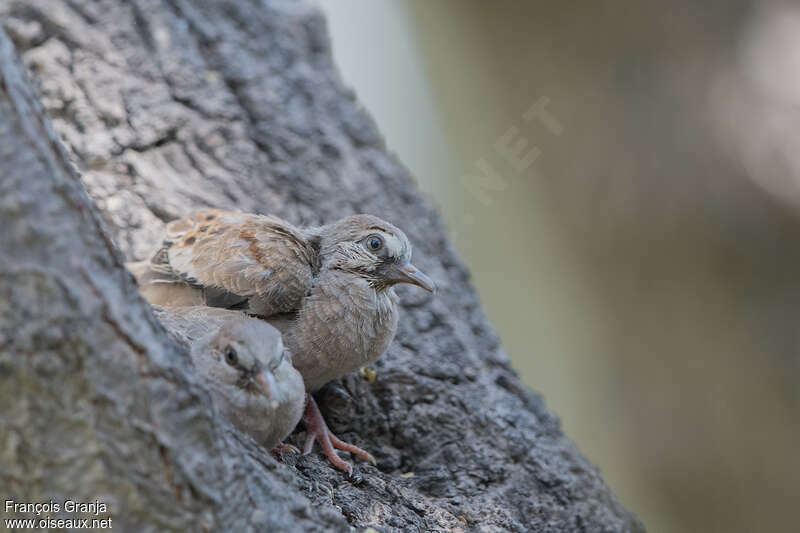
(301, 246)
(252, 245)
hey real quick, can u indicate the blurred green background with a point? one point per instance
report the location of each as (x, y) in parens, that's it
(636, 244)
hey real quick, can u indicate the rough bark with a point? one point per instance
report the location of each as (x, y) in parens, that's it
(170, 105)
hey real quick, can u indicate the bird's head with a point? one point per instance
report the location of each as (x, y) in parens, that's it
(373, 249)
(245, 357)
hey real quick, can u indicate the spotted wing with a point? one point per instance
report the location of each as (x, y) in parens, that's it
(258, 263)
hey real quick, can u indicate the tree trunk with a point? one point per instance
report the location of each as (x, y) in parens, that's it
(171, 105)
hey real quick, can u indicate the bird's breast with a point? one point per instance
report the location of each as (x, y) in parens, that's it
(338, 331)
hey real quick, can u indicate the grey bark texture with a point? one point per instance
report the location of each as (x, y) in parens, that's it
(166, 106)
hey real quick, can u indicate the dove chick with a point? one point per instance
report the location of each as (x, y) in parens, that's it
(245, 366)
(350, 315)
(328, 289)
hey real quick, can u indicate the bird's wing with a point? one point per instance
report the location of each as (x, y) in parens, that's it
(161, 287)
(258, 263)
(189, 324)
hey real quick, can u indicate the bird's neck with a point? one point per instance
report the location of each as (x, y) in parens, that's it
(356, 289)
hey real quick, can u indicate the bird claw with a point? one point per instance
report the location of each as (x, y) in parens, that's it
(284, 448)
(317, 429)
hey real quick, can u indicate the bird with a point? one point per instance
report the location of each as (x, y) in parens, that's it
(246, 367)
(329, 289)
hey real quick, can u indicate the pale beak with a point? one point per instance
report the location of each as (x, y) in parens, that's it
(265, 382)
(407, 273)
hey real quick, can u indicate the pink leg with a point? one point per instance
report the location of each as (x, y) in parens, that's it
(317, 429)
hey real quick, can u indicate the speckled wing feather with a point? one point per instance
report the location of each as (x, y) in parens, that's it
(258, 263)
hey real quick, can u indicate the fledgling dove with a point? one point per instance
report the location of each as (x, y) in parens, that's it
(329, 289)
(246, 367)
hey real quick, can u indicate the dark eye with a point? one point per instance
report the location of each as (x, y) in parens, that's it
(374, 243)
(230, 356)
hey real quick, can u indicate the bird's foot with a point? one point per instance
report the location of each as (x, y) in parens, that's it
(317, 429)
(284, 448)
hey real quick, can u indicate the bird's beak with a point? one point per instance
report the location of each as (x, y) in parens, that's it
(405, 272)
(265, 382)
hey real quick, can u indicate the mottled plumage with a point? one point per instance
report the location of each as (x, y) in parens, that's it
(329, 289)
(245, 366)
(258, 263)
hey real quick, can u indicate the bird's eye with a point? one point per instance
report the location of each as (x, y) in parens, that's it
(230, 356)
(374, 243)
